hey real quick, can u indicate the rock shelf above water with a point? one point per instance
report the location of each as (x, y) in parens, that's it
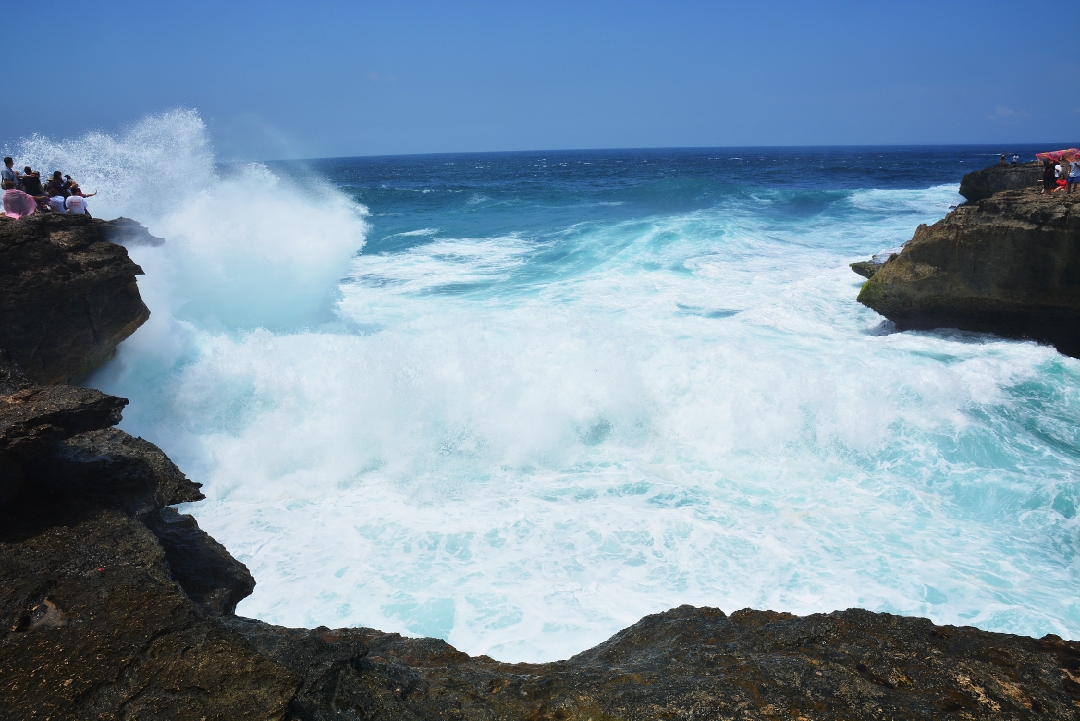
(1008, 264)
(115, 606)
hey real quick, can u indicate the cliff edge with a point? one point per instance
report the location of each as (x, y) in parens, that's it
(981, 184)
(1009, 264)
(68, 295)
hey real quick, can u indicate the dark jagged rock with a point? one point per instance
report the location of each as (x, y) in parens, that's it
(1008, 265)
(67, 295)
(96, 621)
(41, 416)
(866, 268)
(33, 419)
(94, 626)
(209, 575)
(127, 232)
(981, 184)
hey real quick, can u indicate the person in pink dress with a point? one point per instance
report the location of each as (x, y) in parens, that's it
(17, 204)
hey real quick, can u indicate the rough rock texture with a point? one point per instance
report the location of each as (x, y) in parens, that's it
(1009, 265)
(981, 184)
(67, 295)
(128, 232)
(113, 606)
(95, 621)
(867, 268)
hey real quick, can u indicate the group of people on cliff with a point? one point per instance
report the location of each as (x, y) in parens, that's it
(1060, 175)
(24, 194)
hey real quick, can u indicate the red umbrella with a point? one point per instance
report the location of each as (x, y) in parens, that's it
(1072, 155)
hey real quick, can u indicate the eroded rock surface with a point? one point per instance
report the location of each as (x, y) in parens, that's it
(1008, 265)
(981, 184)
(67, 295)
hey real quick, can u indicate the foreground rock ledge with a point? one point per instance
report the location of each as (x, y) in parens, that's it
(114, 606)
(1008, 265)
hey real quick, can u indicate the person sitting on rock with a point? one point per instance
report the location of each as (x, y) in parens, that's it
(1059, 177)
(17, 204)
(76, 189)
(57, 186)
(31, 185)
(76, 205)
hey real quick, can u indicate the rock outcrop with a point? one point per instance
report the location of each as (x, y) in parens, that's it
(67, 295)
(981, 184)
(1008, 265)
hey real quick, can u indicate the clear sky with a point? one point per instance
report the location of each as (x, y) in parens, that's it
(310, 79)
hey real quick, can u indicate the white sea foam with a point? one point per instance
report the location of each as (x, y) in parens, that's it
(703, 414)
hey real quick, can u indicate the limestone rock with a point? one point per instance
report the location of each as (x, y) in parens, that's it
(68, 296)
(1008, 265)
(981, 184)
(866, 268)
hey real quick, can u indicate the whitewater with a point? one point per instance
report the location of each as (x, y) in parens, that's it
(518, 401)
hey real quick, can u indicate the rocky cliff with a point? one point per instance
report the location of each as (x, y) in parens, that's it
(115, 606)
(67, 295)
(981, 184)
(1009, 264)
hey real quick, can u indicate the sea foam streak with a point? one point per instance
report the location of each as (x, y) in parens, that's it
(699, 414)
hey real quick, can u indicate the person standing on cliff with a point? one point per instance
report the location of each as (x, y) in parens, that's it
(1074, 175)
(1048, 177)
(9, 173)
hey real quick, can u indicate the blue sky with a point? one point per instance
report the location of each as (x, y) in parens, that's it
(298, 80)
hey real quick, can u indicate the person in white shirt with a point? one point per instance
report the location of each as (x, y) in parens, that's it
(1074, 175)
(76, 205)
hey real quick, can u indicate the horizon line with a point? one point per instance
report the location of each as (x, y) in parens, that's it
(644, 149)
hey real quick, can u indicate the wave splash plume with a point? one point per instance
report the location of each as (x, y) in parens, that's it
(554, 394)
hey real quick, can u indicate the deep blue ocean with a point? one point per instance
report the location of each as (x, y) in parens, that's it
(520, 400)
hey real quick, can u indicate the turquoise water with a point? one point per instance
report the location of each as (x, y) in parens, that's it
(517, 401)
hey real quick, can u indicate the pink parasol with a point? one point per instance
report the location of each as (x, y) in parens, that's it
(1071, 155)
